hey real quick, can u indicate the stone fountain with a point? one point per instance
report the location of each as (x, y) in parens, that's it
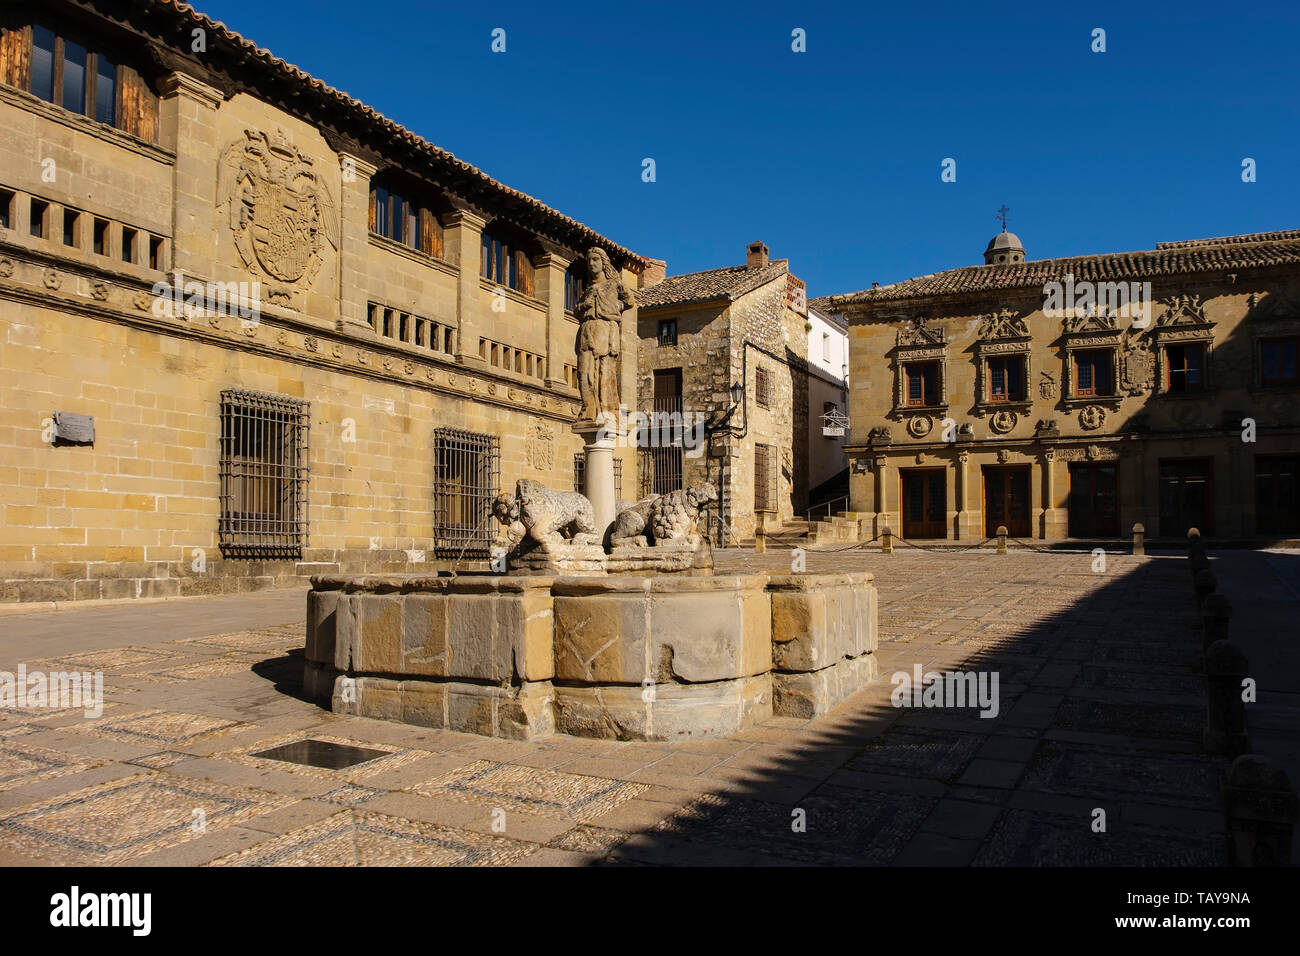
(608, 623)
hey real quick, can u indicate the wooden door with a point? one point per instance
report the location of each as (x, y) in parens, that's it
(1094, 511)
(924, 503)
(1186, 496)
(1006, 500)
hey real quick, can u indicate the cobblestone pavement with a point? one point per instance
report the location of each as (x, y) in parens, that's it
(1099, 709)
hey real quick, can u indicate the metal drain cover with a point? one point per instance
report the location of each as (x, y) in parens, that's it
(321, 753)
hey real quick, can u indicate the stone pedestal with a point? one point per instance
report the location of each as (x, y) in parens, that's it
(598, 476)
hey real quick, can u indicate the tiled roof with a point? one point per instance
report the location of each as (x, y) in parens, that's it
(1260, 249)
(440, 156)
(711, 285)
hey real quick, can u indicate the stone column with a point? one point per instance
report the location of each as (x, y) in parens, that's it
(560, 342)
(598, 474)
(963, 508)
(882, 499)
(463, 234)
(188, 124)
(354, 243)
(1050, 518)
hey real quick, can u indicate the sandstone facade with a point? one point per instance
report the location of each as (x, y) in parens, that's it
(1186, 413)
(384, 341)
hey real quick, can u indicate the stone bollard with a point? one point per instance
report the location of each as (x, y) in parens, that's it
(1225, 711)
(1203, 585)
(1002, 539)
(1139, 539)
(760, 534)
(886, 541)
(1259, 810)
(1215, 613)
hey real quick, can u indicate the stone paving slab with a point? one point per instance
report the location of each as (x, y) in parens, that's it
(1098, 707)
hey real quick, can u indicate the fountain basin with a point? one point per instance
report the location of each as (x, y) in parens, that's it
(636, 657)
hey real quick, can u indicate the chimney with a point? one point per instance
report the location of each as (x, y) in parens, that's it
(755, 255)
(654, 273)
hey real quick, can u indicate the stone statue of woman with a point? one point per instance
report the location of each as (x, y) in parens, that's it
(600, 333)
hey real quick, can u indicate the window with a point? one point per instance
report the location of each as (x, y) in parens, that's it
(101, 237)
(1006, 379)
(74, 77)
(764, 478)
(6, 209)
(467, 473)
(1185, 366)
(667, 332)
(70, 217)
(105, 90)
(155, 252)
(43, 45)
(1278, 361)
(67, 73)
(762, 387)
(39, 208)
(922, 386)
(826, 347)
(128, 244)
(405, 218)
(503, 261)
(574, 285)
(1092, 373)
(263, 475)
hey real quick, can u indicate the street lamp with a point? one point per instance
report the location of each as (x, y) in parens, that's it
(737, 393)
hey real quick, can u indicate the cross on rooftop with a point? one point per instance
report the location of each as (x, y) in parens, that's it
(1002, 214)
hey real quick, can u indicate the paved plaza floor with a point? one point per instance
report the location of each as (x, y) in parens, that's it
(1099, 710)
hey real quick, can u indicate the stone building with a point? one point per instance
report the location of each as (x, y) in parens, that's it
(253, 329)
(703, 332)
(1077, 397)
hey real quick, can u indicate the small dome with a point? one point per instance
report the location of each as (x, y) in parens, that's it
(1004, 248)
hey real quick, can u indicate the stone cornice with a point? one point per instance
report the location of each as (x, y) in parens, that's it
(285, 336)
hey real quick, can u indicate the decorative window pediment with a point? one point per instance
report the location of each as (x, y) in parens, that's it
(1089, 322)
(918, 343)
(1003, 324)
(919, 332)
(1183, 327)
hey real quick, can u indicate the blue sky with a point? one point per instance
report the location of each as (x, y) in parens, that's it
(833, 156)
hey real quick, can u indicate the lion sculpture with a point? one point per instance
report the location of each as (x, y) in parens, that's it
(669, 518)
(549, 518)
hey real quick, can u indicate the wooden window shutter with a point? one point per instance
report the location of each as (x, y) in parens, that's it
(137, 105)
(524, 269)
(16, 57)
(372, 208)
(430, 233)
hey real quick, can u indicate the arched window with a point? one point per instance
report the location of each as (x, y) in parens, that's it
(400, 210)
(504, 259)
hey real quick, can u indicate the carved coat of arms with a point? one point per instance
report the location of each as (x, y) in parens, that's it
(279, 208)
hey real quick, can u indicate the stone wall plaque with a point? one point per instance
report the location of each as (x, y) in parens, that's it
(73, 429)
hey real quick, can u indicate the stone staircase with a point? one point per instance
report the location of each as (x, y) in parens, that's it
(839, 530)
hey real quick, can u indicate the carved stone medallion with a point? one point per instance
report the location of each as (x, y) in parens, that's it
(919, 426)
(1003, 421)
(1092, 417)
